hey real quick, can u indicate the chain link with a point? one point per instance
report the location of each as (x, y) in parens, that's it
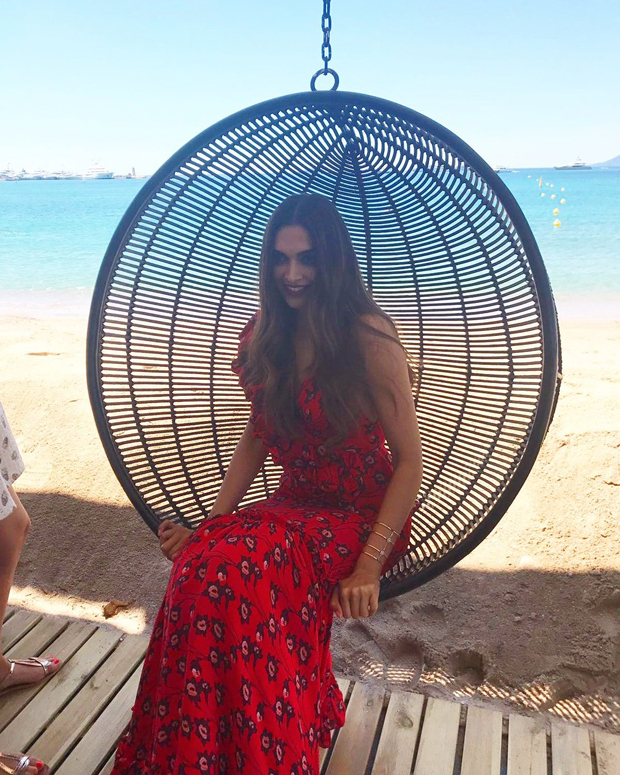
(326, 26)
(326, 48)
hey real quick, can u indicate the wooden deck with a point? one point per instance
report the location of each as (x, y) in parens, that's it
(73, 721)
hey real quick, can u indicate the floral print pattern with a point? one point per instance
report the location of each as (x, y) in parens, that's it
(238, 675)
(11, 465)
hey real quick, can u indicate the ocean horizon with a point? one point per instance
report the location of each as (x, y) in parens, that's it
(54, 234)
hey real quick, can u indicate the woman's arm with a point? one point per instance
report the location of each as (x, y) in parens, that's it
(389, 381)
(247, 460)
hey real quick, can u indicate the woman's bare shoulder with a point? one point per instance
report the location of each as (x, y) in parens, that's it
(378, 322)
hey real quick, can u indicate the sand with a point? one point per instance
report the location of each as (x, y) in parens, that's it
(530, 620)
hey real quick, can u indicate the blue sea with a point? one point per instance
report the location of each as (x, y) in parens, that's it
(53, 235)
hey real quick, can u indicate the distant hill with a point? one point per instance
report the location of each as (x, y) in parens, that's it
(615, 162)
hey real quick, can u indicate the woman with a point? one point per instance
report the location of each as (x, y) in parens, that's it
(14, 526)
(238, 677)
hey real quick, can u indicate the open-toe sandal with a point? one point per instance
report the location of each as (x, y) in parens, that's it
(46, 664)
(18, 763)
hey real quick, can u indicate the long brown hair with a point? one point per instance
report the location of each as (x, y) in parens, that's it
(337, 300)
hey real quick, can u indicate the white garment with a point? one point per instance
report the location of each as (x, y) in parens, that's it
(11, 465)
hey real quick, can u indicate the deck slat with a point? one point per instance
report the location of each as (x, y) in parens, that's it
(399, 734)
(36, 640)
(75, 718)
(482, 749)
(354, 742)
(16, 627)
(440, 731)
(32, 720)
(68, 638)
(527, 746)
(95, 747)
(607, 753)
(107, 767)
(570, 750)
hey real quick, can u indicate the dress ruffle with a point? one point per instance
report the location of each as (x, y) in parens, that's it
(332, 710)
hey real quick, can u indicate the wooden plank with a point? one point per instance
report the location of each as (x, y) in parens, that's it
(16, 627)
(482, 749)
(570, 750)
(107, 768)
(8, 612)
(101, 739)
(354, 742)
(70, 724)
(65, 645)
(440, 731)
(527, 746)
(38, 638)
(343, 684)
(399, 734)
(607, 753)
(34, 643)
(33, 719)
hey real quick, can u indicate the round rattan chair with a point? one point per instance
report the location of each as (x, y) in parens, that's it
(444, 249)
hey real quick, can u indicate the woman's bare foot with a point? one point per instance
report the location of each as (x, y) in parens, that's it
(26, 672)
(24, 765)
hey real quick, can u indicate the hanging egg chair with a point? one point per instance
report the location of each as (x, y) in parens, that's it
(444, 250)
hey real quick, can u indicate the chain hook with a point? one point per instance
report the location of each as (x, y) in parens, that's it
(326, 49)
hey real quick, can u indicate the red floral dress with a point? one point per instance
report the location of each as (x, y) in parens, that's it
(238, 675)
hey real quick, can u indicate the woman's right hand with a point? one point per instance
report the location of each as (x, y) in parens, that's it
(172, 538)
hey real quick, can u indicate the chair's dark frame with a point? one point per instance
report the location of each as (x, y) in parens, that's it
(551, 377)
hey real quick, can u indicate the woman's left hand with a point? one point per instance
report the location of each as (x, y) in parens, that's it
(356, 596)
(172, 538)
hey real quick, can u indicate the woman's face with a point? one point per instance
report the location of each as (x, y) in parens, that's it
(294, 265)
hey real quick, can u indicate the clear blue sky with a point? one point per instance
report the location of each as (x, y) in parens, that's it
(525, 83)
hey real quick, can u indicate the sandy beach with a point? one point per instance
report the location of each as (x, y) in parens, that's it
(530, 619)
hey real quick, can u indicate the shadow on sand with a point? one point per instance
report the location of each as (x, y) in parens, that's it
(531, 639)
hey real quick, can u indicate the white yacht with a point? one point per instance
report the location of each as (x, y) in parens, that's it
(576, 165)
(97, 172)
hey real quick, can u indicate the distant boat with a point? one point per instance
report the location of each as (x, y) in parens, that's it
(62, 175)
(97, 172)
(576, 165)
(499, 169)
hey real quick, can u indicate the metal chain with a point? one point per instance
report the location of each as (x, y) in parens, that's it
(326, 48)
(326, 26)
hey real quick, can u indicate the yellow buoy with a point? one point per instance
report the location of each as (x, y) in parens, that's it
(562, 201)
(557, 223)
(556, 211)
(552, 196)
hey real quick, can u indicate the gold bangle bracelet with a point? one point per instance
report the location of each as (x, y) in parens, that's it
(390, 539)
(378, 559)
(377, 522)
(382, 553)
(370, 546)
(385, 551)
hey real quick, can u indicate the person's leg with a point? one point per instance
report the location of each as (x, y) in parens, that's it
(13, 532)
